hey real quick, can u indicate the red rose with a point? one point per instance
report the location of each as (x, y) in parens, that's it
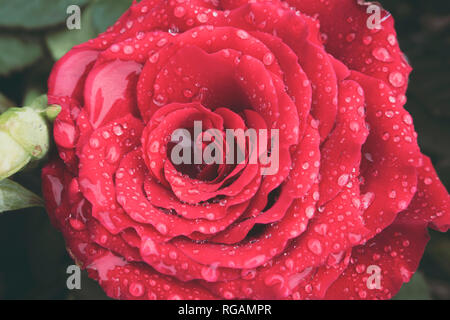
(346, 214)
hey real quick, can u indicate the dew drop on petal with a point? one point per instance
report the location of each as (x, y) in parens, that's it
(118, 131)
(343, 179)
(350, 37)
(407, 119)
(179, 12)
(310, 212)
(354, 126)
(397, 79)
(268, 59)
(149, 248)
(202, 18)
(391, 39)
(128, 50)
(381, 54)
(242, 34)
(136, 289)
(209, 273)
(354, 238)
(315, 246)
(115, 48)
(367, 40)
(162, 228)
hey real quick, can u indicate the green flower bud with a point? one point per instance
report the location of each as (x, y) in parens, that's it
(13, 156)
(24, 137)
(28, 128)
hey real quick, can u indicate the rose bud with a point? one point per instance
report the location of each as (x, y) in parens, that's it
(24, 135)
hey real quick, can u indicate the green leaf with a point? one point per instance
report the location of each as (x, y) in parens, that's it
(14, 197)
(31, 95)
(39, 103)
(106, 12)
(415, 289)
(35, 13)
(16, 53)
(60, 42)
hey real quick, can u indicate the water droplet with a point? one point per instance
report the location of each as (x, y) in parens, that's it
(310, 212)
(210, 273)
(140, 35)
(255, 261)
(154, 147)
(405, 273)
(397, 79)
(202, 18)
(367, 40)
(242, 34)
(154, 58)
(321, 229)
(391, 39)
(381, 54)
(94, 143)
(315, 246)
(118, 130)
(149, 248)
(115, 48)
(407, 119)
(128, 50)
(268, 59)
(362, 294)
(187, 93)
(113, 154)
(136, 289)
(367, 199)
(350, 37)
(162, 42)
(389, 114)
(77, 224)
(179, 12)
(354, 126)
(402, 205)
(354, 238)
(228, 295)
(343, 179)
(162, 228)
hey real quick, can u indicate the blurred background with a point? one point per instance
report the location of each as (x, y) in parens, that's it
(33, 259)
